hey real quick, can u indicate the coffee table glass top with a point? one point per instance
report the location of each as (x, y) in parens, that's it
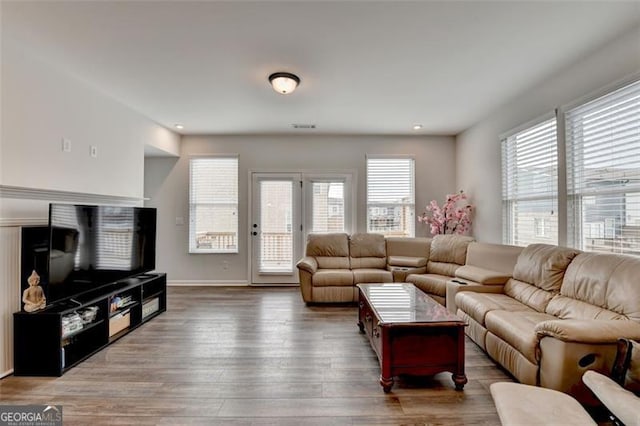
(404, 303)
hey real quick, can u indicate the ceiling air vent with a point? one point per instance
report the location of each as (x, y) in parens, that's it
(303, 126)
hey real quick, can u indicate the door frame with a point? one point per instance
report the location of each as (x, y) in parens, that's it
(351, 178)
(270, 278)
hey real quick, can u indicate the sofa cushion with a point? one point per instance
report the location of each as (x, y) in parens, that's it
(606, 281)
(518, 330)
(568, 308)
(331, 251)
(430, 283)
(441, 268)
(330, 245)
(519, 404)
(367, 251)
(481, 275)
(408, 247)
(477, 305)
(407, 261)
(332, 277)
(543, 265)
(326, 262)
(528, 294)
(449, 249)
(496, 257)
(366, 275)
(623, 404)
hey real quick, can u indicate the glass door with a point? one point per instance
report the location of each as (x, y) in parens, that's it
(276, 227)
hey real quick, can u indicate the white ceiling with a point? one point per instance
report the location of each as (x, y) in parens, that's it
(366, 67)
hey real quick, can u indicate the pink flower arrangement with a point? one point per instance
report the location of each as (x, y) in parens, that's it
(451, 218)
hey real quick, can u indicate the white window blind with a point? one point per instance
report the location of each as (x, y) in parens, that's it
(391, 196)
(213, 205)
(603, 172)
(328, 207)
(530, 185)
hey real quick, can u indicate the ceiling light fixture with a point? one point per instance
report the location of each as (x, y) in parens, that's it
(179, 126)
(417, 126)
(284, 82)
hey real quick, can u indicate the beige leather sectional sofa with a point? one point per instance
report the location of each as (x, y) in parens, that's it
(559, 315)
(545, 313)
(335, 263)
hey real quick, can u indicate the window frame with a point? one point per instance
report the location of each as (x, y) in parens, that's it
(411, 205)
(347, 179)
(508, 202)
(576, 199)
(193, 249)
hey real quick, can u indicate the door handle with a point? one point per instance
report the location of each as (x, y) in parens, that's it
(254, 233)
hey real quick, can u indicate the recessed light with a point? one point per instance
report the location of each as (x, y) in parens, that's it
(179, 126)
(417, 126)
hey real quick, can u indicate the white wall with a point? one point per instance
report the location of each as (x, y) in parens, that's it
(478, 162)
(167, 179)
(42, 105)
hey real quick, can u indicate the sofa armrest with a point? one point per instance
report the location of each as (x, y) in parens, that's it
(308, 264)
(407, 261)
(481, 275)
(623, 404)
(589, 331)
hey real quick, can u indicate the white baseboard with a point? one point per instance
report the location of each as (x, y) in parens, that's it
(6, 373)
(210, 283)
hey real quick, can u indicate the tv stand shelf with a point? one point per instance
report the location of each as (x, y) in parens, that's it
(44, 346)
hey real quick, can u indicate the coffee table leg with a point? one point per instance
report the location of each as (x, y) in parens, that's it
(460, 380)
(386, 384)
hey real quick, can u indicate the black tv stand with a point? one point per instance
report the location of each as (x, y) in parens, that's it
(51, 341)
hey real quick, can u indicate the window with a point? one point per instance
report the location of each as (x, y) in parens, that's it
(328, 209)
(530, 185)
(603, 172)
(213, 205)
(391, 196)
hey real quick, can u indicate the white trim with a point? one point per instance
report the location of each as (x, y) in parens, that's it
(531, 123)
(192, 249)
(6, 373)
(349, 197)
(31, 221)
(191, 156)
(600, 92)
(208, 283)
(19, 192)
(275, 285)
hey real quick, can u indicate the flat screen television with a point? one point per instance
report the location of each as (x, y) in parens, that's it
(91, 246)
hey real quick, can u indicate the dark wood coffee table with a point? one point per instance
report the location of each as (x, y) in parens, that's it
(411, 333)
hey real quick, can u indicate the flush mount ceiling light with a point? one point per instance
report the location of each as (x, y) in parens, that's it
(417, 126)
(179, 126)
(284, 82)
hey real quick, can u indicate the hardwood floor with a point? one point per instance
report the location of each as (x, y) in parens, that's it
(253, 356)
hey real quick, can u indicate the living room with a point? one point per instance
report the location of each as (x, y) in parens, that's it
(467, 72)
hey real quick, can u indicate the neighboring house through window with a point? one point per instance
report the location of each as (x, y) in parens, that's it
(603, 172)
(530, 184)
(391, 196)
